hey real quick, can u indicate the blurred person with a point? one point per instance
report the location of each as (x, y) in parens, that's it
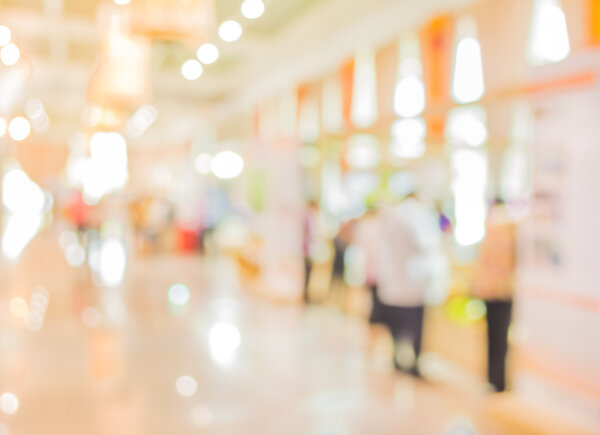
(366, 237)
(494, 283)
(412, 272)
(310, 227)
(341, 242)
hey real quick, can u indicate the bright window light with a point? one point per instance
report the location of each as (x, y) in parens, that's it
(469, 187)
(253, 8)
(467, 76)
(409, 97)
(113, 259)
(10, 54)
(207, 53)
(227, 164)
(191, 69)
(549, 38)
(5, 35)
(230, 31)
(409, 94)
(467, 126)
(364, 110)
(19, 128)
(408, 138)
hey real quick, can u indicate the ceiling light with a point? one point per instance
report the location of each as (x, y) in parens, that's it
(5, 35)
(253, 8)
(191, 69)
(10, 54)
(207, 53)
(19, 128)
(230, 31)
(122, 2)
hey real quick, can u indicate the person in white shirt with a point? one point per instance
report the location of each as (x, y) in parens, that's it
(412, 272)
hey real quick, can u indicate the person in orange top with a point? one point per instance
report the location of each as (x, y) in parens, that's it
(494, 282)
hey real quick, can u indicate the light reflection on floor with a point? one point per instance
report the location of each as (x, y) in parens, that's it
(132, 362)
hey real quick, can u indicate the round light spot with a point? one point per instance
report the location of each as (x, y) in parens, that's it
(5, 35)
(207, 53)
(178, 294)
(75, 255)
(34, 108)
(230, 31)
(475, 309)
(66, 239)
(10, 54)
(9, 403)
(191, 69)
(19, 128)
(224, 340)
(253, 8)
(38, 302)
(186, 386)
(227, 164)
(34, 321)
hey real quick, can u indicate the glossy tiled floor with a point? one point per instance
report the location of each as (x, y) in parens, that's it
(226, 363)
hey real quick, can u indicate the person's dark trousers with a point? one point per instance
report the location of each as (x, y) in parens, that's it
(377, 308)
(307, 270)
(406, 324)
(498, 320)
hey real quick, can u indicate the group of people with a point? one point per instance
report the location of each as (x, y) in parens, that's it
(407, 269)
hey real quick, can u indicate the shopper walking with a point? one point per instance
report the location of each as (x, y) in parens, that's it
(412, 272)
(494, 283)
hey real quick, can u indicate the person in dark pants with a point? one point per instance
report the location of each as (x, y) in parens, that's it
(310, 224)
(498, 320)
(494, 283)
(412, 272)
(406, 327)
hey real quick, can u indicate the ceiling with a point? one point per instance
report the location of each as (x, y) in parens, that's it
(294, 40)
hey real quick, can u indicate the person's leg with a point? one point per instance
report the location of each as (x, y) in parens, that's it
(307, 270)
(407, 338)
(498, 320)
(417, 335)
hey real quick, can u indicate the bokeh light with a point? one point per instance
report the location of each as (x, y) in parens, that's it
(230, 31)
(224, 340)
(9, 403)
(186, 386)
(178, 295)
